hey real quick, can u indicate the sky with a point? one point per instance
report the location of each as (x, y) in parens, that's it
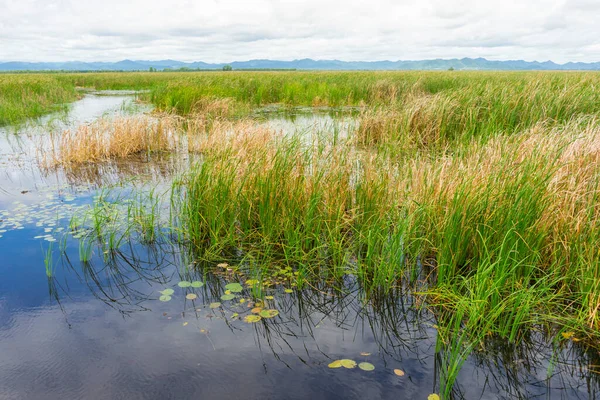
(349, 30)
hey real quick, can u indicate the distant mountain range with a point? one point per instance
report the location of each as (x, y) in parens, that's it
(304, 64)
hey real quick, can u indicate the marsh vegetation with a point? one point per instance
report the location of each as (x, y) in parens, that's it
(462, 206)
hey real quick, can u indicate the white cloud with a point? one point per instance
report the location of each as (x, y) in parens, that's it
(222, 31)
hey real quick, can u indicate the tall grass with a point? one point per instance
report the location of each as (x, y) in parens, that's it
(106, 139)
(25, 96)
(509, 227)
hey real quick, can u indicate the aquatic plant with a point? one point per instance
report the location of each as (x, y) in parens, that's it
(106, 139)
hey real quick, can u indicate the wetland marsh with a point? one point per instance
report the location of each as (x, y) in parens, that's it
(299, 235)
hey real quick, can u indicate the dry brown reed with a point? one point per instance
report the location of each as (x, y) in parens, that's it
(107, 139)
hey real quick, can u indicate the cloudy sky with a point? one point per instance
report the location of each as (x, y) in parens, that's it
(224, 30)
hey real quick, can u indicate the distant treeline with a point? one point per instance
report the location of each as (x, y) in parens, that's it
(91, 71)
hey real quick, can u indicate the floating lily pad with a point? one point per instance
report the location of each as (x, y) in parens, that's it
(184, 284)
(227, 297)
(256, 310)
(335, 364)
(288, 291)
(348, 363)
(190, 296)
(234, 287)
(269, 313)
(252, 318)
(251, 282)
(164, 297)
(214, 305)
(399, 372)
(364, 353)
(433, 396)
(235, 315)
(269, 297)
(167, 292)
(365, 366)
(197, 284)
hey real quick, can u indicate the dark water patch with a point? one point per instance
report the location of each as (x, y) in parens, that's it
(97, 329)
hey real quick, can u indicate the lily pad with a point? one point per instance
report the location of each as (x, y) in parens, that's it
(251, 282)
(335, 364)
(226, 297)
(365, 366)
(348, 363)
(167, 292)
(269, 313)
(288, 291)
(256, 310)
(184, 284)
(214, 305)
(433, 396)
(197, 284)
(399, 372)
(234, 287)
(164, 297)
(269, 297)
(252, 318)
(190, 296)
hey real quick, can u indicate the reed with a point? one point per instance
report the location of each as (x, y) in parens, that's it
(508, 227)
(25, 96)
(107, 139)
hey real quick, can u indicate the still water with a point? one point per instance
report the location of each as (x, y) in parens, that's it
(97, 329)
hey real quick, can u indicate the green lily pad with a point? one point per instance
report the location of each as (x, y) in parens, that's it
(252, 318)
(335, 364)
(167, 292)
(268, 313)
(227, 297)
(215, 305)
(365, 366)
(234, 287)
(197, 284)
(184, 284)
(348, 363)
(251, 282)
(288, 291)
(164, 297)
(190, 296)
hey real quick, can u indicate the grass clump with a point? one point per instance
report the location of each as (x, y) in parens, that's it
(107, 139)
(505, 231)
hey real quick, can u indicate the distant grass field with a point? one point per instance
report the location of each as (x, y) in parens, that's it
(448, 104)
(25, 96)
